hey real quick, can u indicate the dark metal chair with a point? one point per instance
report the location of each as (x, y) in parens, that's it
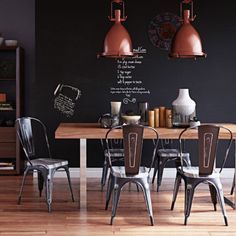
(116, 155)
(33, 137)
(133, 171)
(164, 155)
(205, 172)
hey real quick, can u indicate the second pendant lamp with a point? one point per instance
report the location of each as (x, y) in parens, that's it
(117, 43)
(186, 43)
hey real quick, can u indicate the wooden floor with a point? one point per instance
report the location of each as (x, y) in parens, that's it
(31, 217)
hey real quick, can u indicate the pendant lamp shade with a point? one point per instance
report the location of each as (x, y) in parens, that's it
(117, 42)
(186, 42)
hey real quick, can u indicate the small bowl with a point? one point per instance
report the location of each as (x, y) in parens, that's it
(11, 42)
(131, 119)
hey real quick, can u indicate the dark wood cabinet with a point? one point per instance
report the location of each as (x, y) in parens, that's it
(11, 78)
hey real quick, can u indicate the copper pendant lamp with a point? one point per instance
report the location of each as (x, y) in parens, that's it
(117, 43)
(186, 42)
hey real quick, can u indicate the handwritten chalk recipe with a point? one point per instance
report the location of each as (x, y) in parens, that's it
(126, 84)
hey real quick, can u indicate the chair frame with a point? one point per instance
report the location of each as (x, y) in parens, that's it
(160, 161)
(117, 145)
(208, 140)
(45, 175)
(115, 183)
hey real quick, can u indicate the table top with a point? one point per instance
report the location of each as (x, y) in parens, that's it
(94, 131)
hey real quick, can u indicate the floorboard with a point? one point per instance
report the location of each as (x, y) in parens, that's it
(31, 217)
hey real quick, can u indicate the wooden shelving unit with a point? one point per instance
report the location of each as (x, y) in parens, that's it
(11, 78)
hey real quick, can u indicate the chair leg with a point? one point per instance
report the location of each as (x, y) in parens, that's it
(189, 191)
(40, 183)
(155, 169)
(115, 201)
(110, 187)
(161, 166)
(69, 182)
(104, 174)
(233, 186)
(22, 185)
(213, 195)
(147, 197)
(220, 195)
(48, 189)
(176, 189)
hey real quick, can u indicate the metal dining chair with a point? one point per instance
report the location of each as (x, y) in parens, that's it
(116, 149)
(33, 137)
(116, 155)
(132, 171)
(205, 172)
(167, 153)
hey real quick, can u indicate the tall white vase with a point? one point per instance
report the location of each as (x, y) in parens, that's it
(184, 109)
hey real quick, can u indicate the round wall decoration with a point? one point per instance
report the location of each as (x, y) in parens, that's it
(162, 29)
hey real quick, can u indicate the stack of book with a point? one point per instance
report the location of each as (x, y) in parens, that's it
(6, 166)
(5, 106)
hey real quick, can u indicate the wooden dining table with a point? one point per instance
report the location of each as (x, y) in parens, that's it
(85, 131)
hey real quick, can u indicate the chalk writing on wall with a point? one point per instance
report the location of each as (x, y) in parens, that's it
(127, 85)
(65, 99)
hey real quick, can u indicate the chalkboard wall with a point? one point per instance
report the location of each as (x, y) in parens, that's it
(70, 34)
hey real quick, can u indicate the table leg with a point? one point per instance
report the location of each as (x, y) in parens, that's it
(83, 178)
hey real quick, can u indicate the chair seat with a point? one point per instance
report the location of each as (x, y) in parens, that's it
(193, 172)
(119, 172)
(117, 152)
(171, 152)
(48, 163)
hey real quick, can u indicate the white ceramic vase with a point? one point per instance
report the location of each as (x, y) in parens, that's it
(184, 105)
(184, 109)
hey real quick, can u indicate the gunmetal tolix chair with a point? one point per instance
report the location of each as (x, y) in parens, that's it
(33, 137)
(205, 172)
(116, 156)
(167, 153)
(132, 171)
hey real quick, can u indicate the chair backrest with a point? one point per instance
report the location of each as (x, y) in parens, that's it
(113, 144)
(27, 129)
(207, 147)
(133, 145)
(167, 143)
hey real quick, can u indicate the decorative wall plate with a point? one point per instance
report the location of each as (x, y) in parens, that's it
(162, 29)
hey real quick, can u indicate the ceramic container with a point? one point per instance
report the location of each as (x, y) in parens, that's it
(10, 42)
(184, 109)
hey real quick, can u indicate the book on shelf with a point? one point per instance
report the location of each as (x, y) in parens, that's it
(6, 107)
(7, 166)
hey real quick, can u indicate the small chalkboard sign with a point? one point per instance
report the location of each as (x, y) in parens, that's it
(66, 97)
